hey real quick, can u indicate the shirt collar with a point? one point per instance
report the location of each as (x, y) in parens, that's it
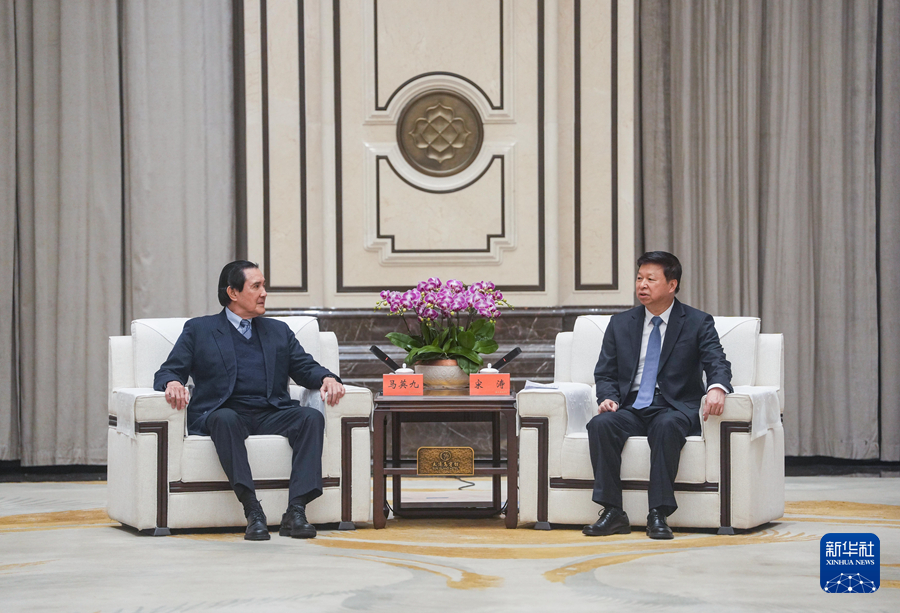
(649, 316)
(233, 317)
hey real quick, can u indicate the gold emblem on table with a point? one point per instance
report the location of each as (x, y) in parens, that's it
(440, 133)
(445, 461)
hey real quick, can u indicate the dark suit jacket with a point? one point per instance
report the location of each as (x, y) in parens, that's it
(691, 347)
(205, 351)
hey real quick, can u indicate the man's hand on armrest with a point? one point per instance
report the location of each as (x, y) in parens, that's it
(331, 391)
(715, 402)
(177, 395)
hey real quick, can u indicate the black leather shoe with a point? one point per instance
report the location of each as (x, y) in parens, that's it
(256, 526)
(612, 521)
(295, 524)
(657, 528)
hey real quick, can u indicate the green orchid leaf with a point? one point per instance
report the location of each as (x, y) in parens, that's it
(411, 356)
(477, 325)
(404, 341)
(466, 339)
(486, 332)
(467, 365)
(486, 347)
(455, 350)
(425, 356)
(470, 355)
(427, 333)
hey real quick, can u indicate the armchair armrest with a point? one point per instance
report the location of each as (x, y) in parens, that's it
(357, 402)
(739, 412)
(144, 403)
(737, 408)
(133, 406)
(549, 404)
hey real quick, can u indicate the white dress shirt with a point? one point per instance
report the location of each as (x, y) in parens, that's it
(234, 318)
(645, 340)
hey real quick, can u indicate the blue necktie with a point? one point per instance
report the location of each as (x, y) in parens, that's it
(651, 366)
(244, 328)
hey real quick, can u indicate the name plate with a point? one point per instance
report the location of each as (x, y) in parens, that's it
(491, 384)
(402, 385)
(445, 461)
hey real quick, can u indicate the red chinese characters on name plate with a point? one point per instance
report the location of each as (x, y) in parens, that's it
(402, 385)
(491, 384)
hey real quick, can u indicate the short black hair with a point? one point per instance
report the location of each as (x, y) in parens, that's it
(233, 276)
(669, 263)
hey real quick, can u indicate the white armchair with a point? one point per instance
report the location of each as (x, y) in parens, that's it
(728, 477)
(160, 478)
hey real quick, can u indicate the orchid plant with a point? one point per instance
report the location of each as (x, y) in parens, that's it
(455, 321)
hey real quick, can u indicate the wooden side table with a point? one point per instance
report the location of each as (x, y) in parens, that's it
(445, 407)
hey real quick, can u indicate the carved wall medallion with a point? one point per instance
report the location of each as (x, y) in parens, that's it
(440, 133)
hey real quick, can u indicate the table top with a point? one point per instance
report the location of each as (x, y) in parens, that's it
(449, 399)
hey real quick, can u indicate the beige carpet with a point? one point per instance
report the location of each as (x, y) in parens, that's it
(60, 552)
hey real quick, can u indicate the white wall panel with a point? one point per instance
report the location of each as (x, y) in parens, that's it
(339, 206)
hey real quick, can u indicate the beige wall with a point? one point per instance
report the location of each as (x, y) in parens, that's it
(545, 208)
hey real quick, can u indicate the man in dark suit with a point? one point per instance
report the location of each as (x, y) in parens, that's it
(649, 383)
(240, 364)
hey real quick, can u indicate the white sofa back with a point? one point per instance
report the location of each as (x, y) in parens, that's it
(739, 337)
(152, 341)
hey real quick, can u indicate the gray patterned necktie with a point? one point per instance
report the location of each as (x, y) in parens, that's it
(244, 328)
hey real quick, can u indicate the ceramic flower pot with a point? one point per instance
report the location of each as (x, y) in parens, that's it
(443, 375)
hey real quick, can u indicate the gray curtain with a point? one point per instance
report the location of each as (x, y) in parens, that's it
(758, 163)
(69, 220)
(888, 155)
(123, 198)
(9, 419)
(179, 152)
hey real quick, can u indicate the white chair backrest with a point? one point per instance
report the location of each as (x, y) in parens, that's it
(306, 329)
(738, 335)
(151, 342)
(153, 339)
(587, 339)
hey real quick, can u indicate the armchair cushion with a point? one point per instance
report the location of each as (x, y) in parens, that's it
(576, 459)
(270, 458)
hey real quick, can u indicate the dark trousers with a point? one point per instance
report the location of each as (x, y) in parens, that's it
(304, 429)
(665, 428)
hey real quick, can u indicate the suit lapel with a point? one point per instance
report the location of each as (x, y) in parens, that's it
(635, 333)
(673, 330)
(222, 336)
(268, 355)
